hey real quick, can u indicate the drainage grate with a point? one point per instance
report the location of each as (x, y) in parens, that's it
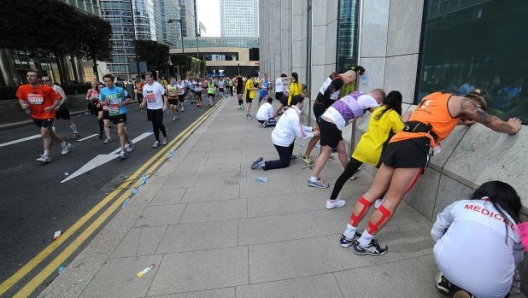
(114, 183)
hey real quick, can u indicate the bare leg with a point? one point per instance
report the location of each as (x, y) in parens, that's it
(321, 160)
(341, 153)
(123, 138)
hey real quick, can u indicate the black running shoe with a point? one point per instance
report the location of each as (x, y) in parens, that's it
(345, 242)
(256, 163)
(373, 249)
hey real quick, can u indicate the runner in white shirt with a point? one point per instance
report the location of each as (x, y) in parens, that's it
(477, 248)
(155, 99)
(181, 92)
(283, 136)
(265, 114)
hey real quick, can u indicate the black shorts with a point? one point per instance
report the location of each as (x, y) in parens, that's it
(155, 115)
(318, 109)
(173, 101)
(284, 100)
(211, 94)
(46, 123)
(249, 100)
(139, 96)
(106, 115)
(412, 153)
(330, 134)
(63, 114)
(181, 97)
(221, 90)
(279, 95)
(121, 118)
(241, 92)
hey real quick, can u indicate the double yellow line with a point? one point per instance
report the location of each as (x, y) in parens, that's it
(147, 169)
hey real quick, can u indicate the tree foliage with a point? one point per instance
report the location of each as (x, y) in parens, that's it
(155, 54)
(52, 26)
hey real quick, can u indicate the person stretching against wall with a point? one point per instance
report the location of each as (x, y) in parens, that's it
(332, 122)
(408, 154)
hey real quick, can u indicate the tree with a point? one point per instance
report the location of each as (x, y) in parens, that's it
(96, 43)
(155, 54)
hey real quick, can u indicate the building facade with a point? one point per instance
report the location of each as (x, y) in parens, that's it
(239, 18)
(417, 47)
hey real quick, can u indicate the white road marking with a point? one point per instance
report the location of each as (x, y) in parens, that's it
(20, 140)
(86, 138)
(102, 159)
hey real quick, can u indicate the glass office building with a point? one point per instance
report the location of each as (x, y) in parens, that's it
(475, 44)
(239, 18)
(347, 33)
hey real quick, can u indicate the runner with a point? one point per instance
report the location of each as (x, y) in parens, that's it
(198, 92)
(332, 123)
(41, 100)
(63, 112)
(138, 87)
(239, 84)
(407, 156)
(114, 100)
(93, 97)
(180, 85)
(211, 91)
(249, 88)
(264, 86)
(172, 95)
(156, 101)
(265, 114)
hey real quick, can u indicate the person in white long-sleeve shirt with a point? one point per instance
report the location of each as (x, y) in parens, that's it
(265, 114)
(477, 248)
(283, 136)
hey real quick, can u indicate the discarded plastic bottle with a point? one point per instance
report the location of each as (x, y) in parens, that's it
(144, 179)
(171, 153)
(261, 179)
(125, 203)
(134, 190)
(60, 269)
(516, 285)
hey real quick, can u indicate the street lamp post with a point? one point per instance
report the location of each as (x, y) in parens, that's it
(170, 21)
(197, 53)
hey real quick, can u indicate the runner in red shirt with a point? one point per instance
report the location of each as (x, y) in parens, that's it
(41, 100)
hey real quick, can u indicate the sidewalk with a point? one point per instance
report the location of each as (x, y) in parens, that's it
(213, 231)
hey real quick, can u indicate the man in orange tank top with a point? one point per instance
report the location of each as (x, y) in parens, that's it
(407, 155)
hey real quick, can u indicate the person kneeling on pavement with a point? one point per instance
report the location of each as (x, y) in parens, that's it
(266, 114)
(283, 136)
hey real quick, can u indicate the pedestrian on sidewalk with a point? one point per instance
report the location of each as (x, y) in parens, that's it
(383, 124)
(114, 100)
(249, 90)
(279, 90)
(327, 95)
(156, 100)
(333, 121)
(283, 136)
(478, 248)
(62, 110)
(239, 85)
(41, 100)
(408, 154)
(295, 88)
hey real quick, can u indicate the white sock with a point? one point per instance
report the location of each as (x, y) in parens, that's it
(350, 231)
(64, 144)
(365, 239)
(46, 152)
(314, 178)
(74, 128)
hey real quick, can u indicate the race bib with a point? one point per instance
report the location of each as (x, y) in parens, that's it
(35, 99)
(151, 97)
(172, 94)
(113, 110)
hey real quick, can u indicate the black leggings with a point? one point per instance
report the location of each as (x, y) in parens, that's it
(351, 168)
(157, 126)
(285, 154)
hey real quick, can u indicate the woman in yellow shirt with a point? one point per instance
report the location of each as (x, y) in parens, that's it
(384, 122)
(296, 88)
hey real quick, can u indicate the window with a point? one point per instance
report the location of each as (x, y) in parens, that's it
(482, 45)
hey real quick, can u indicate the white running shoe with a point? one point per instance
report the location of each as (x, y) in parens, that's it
(156, 144)
(130, 146)
(378, 203)
(44, 159)
(337, 203)
(66, 149)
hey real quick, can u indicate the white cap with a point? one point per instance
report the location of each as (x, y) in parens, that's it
(366, 101)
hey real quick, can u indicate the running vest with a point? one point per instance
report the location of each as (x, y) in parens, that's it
(210, 88)
(172, 91)
(432, 110)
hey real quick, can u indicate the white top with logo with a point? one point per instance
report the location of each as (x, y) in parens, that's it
(154, 95)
